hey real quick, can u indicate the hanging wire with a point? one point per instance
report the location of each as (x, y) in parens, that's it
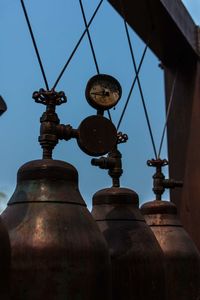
(132, 87)
(91, 45)
(89, 37)
(34, 44)
(140, 90)
(138, 81)
(168, 113)
(77, 45)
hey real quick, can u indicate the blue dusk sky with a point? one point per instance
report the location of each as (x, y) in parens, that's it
(57, 26)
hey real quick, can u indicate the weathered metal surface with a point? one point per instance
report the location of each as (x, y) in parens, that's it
(160, 183)
(137, 261)
(182, 259)
(164, 24)
(5, 253)
(58, 252)
(184, 142)
(113, 164)
(5, 250)
(103, 92)
(96, 135)
(175, 40)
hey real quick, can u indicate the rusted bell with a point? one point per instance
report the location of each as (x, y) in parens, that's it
(4, 263)
(182, 259)
(5, 251)
(136, 257)
(58, 252)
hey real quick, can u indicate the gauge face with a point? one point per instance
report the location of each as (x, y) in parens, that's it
(97, 135)
(103, 91)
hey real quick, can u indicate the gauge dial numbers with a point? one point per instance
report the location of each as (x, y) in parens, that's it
(103, 91)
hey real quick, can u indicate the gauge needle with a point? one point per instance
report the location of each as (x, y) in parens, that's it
(103, 93)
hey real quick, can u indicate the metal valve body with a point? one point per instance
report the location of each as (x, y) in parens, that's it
(58, 252)
(182, 259)
(136, 257)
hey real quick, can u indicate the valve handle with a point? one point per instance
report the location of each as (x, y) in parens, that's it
(49, 97)
(122, 137)
(159, 181)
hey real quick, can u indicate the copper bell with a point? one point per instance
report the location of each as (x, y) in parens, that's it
(182, 259)
(58, 252)
(4, 245)
(4, 262)
(136, 257)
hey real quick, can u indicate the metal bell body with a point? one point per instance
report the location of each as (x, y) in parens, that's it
(136, 257)
(182, 259)
(58, 252)
(5, 253)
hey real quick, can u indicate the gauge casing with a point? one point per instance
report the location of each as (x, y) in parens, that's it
(103, 92)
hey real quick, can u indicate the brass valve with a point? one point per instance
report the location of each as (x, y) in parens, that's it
(159, 181)
(112, 163)
(51, 130)
(96, 135)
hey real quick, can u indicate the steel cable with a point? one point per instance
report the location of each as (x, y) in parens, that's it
(91, 45)
(132, 87)
(140, 90)
(89, 37)
(157, 154)
(77, 45)
(71, 55)
(34, 44)
(168, 113)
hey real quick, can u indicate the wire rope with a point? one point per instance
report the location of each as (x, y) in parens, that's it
(168, 113)
(91, 45)
(89, 37)
(140, 90)
(138, 82)
(132, 87)
(34, 44)
(71, 55)
(77, 45)
(157, 154)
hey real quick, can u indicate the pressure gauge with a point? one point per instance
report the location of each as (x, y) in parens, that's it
(97, 135)
(103, 91)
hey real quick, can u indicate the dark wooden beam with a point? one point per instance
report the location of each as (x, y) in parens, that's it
(167, 23)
